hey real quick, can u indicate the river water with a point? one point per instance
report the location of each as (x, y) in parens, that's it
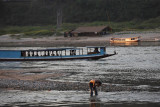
(136, 66)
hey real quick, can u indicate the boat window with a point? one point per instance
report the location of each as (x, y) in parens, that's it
(53, 53)
(50, 53)
(104, 49)
(23, 54)
(94, 51)
(35, 53)
(119, 39)
(27, 53)
(57, 53)
(72, 52)
(40, 53)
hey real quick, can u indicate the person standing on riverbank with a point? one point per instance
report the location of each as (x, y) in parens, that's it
(92, 85)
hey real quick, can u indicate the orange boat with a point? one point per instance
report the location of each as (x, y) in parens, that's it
(123, 40)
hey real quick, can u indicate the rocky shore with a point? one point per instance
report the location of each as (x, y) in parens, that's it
(21, 80)
(60, 86)
(16, 80)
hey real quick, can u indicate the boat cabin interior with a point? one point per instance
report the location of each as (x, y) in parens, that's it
(96, 50)
(63, 52)
(50, 52)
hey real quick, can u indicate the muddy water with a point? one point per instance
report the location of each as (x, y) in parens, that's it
(136, 67)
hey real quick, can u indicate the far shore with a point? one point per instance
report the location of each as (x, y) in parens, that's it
(57, 41)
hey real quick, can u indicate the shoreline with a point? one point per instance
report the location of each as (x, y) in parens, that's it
(57, 41)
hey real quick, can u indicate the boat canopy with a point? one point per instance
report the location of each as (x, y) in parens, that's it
(48, 49)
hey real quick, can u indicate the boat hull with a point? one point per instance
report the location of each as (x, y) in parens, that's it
(55, 59)
(124, 40)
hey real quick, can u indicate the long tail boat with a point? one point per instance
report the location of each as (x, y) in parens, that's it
(54, 54)
(123, 40)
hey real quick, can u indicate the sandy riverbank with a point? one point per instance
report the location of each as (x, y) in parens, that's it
(56, 41)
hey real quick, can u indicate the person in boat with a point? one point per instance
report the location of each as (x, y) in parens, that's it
(65, 34)
(92, 85)
(96, 50)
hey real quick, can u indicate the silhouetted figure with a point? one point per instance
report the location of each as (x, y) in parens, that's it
(92, 86)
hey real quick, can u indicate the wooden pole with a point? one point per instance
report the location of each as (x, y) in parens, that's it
(59, 13)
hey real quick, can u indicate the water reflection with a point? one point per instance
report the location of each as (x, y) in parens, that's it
(132, 44)
(125, 44)
(94, 102)
(78, 99)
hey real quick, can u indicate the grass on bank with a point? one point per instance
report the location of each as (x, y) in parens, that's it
(42, 31)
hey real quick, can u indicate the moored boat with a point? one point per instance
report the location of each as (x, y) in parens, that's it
(123, 40)
(54, 54)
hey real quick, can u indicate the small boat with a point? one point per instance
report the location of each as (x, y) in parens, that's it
(157, 39)
(54, 54)
(123, 40)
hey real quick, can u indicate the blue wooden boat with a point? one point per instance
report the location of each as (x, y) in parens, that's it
(54, 54)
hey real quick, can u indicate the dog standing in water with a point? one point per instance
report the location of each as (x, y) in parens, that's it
(92, 85)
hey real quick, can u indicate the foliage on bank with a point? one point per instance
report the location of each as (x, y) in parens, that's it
(44, 12)
(50, 30)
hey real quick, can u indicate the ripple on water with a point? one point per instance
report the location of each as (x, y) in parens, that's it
(75, 97)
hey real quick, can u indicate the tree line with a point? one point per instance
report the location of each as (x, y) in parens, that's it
(44, 12)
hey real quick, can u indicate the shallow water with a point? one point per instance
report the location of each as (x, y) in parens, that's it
(77, 98)
(135, 67)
